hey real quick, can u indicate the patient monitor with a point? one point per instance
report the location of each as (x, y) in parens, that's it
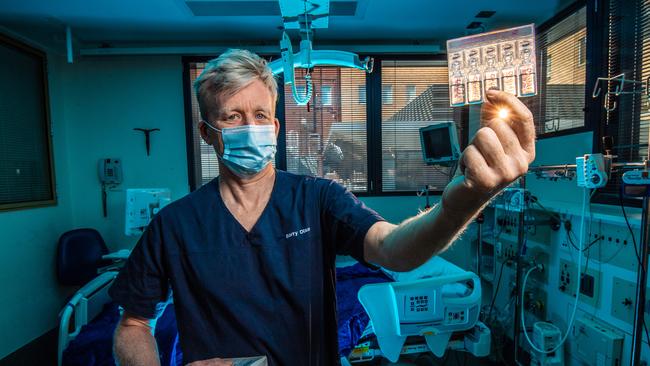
(141, 205)
(439, 143)
(432, 307)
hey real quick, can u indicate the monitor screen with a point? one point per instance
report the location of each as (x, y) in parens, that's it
(436, 143)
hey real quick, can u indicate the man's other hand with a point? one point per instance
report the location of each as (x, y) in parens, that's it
(499, 153)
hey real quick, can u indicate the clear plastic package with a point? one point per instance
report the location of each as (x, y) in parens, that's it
(504, 60)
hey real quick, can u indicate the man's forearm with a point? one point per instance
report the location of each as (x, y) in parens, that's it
(415, 240)
(135, 346)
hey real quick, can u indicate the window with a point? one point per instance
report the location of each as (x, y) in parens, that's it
(329, 142)
(628, 37)
(329, 137)
(411, 90)
(403, 168)
(326, 95)
(26, 169)
(559, 104)
(582, 51)
(386, 94)
(361, 93)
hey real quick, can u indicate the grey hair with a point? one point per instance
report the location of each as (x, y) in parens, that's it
(227, 74)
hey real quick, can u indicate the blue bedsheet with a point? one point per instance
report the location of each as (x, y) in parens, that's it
(94, 344)
(352, 318)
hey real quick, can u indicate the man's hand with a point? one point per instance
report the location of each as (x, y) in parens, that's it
(499, 153)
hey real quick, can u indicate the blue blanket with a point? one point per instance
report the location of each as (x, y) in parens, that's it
(94, 344)
(352, 318)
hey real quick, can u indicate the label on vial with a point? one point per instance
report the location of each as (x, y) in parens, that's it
(503, 60)
(510, 84)
(458, 93)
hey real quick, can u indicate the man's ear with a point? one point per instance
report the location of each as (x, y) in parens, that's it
(203, 130)
(276, 122)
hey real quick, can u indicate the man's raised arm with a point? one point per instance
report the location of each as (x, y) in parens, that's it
(499, 153)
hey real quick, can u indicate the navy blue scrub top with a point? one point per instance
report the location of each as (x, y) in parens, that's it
(268, 292)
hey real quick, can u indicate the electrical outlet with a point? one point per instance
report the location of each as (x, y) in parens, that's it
(589, 286)
(615, 245)
(624, 300)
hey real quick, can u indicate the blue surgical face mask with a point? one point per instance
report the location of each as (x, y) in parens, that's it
(247, 149)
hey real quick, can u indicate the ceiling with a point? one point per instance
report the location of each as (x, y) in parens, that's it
(142, 23)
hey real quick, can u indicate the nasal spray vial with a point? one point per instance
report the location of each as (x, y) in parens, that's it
(503, 60)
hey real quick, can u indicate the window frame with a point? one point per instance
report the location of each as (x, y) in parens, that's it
(558, 18)
(46, 126)
(373, 105)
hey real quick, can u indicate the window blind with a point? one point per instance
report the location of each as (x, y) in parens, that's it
(561, 54)
(206, 165)
(414, 94)
(629, 53)
(26, 173)
(628, 41)
(328, 137)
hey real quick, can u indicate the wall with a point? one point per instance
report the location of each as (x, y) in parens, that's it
(30, 296)
(95, 103)
(106, 98)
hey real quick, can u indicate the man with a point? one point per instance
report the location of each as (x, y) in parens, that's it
(250, 256)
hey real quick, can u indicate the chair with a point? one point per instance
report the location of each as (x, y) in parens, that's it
(79, 255)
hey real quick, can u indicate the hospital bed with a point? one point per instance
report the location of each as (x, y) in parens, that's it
(431, 309)
(88, 320)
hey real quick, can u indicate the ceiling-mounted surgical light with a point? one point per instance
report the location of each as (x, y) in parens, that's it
(307, 58)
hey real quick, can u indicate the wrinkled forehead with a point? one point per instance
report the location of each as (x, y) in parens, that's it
(254, 96)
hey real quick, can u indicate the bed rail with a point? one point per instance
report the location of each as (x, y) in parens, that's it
(85, 305)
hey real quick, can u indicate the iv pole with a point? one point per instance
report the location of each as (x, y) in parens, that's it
(641, 280)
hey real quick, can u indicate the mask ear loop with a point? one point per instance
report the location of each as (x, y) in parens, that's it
(210, 126)
(213, 129)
